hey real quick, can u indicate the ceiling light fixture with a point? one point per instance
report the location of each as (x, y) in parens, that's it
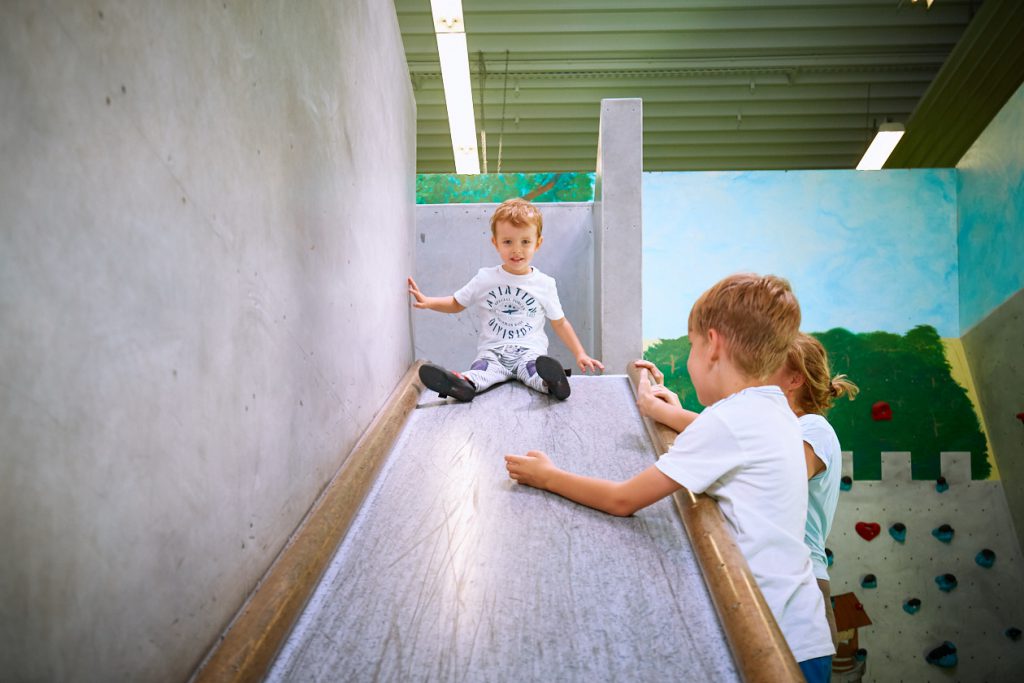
(450, 31)
(881, 147)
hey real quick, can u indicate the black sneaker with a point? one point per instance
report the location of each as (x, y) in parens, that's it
(446, 383)
(550, 370)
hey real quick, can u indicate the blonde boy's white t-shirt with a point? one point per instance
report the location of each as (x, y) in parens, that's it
(511, 309)
(746, 452)
(823, 488)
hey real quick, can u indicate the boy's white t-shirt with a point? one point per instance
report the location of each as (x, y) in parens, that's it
(510, 309)
(746, 452)
(823, 488)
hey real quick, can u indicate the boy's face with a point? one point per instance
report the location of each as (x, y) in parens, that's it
(516, 245)
(698, 364)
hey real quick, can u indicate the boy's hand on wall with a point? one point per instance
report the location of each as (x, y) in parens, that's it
(533, 469)
(587, 363)
(421, 300)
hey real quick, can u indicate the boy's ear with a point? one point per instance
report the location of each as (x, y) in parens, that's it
(540, 241)
(715, 343)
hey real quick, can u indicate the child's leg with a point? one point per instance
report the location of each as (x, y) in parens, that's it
(487, 370)
(526, 372)
(446, 383)
(552, 374)
(543, 374)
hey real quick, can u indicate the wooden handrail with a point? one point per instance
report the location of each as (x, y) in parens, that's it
(757, 644)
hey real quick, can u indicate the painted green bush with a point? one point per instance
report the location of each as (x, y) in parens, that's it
(931, 413)
(442, 188)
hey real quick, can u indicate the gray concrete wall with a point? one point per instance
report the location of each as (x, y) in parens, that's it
(618, 230)
(453, 241)
(990, 240)
(206, 215)
(993, 349)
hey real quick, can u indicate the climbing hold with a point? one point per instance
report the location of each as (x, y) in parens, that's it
(898, 531)
(829, 558)
(947, 582)
(845, 484)
(944, 533)
(985, 558)
(881, 412)
(1013, 633)
(868, 530)
(869, 581)
(911, 606)
(860, 655)
(1020, 416)
(941, 485)
(944, 655)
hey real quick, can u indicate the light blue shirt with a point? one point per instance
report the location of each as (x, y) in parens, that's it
(822, 489)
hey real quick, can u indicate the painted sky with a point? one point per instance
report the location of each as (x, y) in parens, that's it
(992, 215)
(866, 251)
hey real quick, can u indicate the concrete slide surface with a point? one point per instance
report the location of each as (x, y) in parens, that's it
(453, 572)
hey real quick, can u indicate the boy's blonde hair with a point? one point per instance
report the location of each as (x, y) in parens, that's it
(518, 212)
(757, 316)
(820, 390)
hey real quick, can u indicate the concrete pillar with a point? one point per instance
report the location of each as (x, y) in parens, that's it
(618, 235)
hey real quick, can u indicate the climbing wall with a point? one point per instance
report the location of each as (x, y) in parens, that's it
(944, 528)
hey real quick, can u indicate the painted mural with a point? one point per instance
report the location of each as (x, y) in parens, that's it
(909, 400)
(991, 211)
(485, 188)
(863, 251)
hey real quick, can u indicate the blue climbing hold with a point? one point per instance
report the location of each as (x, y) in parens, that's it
(869, 581)
(985, 558)
(845, 484)
(1013, 633)
(899, 532)
(941, 485)
(911, 606)
(944, 533)
(944, 655)
(947, 582)
(829, 558)
(860, 655)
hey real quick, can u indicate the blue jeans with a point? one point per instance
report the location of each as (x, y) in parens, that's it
(817, 670)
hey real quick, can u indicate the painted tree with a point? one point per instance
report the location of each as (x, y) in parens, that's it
(931, 413)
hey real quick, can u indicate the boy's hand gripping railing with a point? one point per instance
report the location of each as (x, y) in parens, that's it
(758, 646)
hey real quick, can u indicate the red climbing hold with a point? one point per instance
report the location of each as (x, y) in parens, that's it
(868, 530)
(881, 412)
(1020, 416)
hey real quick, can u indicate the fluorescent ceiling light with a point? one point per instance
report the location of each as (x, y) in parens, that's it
(450, 32)
(881, 147)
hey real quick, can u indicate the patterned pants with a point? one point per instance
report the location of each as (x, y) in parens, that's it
(500, 365)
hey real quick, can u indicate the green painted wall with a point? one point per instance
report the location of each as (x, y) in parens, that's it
(931, 413)
(444, 188)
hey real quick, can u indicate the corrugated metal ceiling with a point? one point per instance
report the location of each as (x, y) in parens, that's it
(725, 85)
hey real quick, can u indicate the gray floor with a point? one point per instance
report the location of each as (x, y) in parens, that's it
(452, 572)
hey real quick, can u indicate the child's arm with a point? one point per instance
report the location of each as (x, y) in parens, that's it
(568, 336)
(443, 304)
(616, 498)
(814, 463)
(658, 402)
